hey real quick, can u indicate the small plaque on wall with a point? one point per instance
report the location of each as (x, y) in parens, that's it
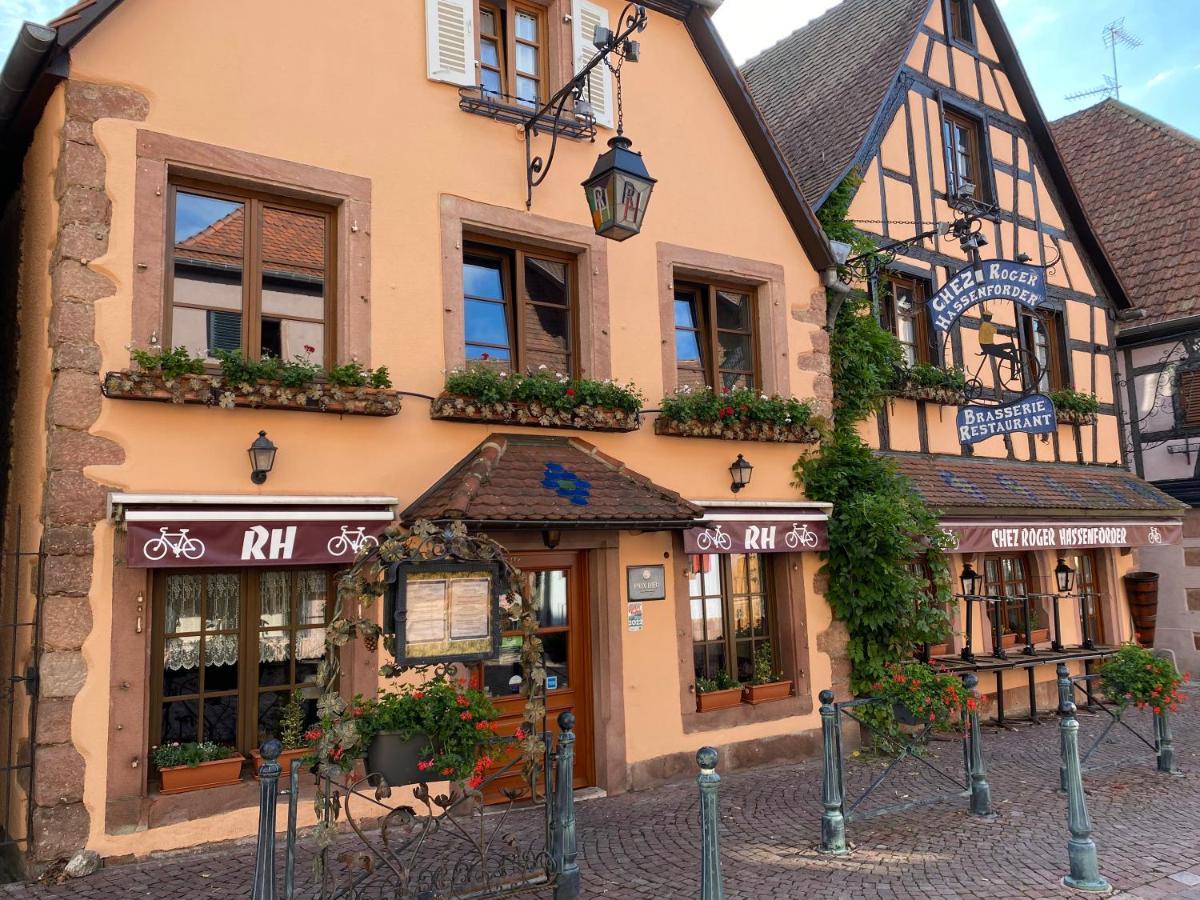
(446, 612)
(646, 582)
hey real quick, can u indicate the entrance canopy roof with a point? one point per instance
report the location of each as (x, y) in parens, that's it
(531, 481)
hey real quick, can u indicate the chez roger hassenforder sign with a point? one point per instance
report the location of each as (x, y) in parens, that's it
(1066, 535)
(1002, 280)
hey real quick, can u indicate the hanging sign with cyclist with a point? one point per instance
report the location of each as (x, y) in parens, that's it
(199, 544)
(757, 537)
(1002, 280)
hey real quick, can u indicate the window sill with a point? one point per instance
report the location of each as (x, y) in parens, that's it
(943, 395)
(798, 704)
(1067, 417)
(738, 431)
(210, 390)
(504, 109)
(452, 408)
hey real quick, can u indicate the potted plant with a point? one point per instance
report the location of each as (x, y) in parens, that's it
(738, 414)
(923, 381)
(922, 696)
(195, 765)
(1074, 407)
(1135, 675)
(721, 692)
(767, 683)
(291, 734)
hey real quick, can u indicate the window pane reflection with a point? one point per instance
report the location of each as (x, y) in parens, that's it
(293, 285)
(209, 258)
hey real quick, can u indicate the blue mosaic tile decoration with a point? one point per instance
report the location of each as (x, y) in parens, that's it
(566, 484)
(1063, 490)
(956, 481)
(1108, 490)
(1010, 483)
(1144, 491)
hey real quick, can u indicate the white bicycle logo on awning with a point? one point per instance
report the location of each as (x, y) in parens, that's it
(177, 542)
(351, 540)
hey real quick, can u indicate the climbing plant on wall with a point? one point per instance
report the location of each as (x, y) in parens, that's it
(880, 527)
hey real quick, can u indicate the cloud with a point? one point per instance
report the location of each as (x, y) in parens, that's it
(750, 26)
(1036, 22)
(1162, 76)
(14, 12)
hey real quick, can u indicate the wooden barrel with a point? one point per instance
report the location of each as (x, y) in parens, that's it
(1142, 590)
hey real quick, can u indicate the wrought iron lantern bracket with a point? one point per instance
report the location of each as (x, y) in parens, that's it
(619, 44)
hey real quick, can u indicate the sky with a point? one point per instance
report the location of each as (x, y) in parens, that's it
(1059, 41)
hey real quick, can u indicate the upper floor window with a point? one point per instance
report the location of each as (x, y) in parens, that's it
(250, 272)
(714, 337)
(519, 308)
(1187, 397)
(512, 51)
(906, 316)
(961, 25)
(966, 170)
(1042, 335)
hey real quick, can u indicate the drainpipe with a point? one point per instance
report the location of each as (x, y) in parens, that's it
(29, 53)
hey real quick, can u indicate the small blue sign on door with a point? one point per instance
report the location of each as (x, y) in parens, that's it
(551, 682)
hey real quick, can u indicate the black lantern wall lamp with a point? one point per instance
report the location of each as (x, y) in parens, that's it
(1065, 576)
(740, 471)
(618, 190)
(262, 458)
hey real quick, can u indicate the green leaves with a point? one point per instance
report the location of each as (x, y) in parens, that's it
(191, 754)
(1135, 675)
(1067, 400)
(488, 383)
(742, 404)
(169, 363)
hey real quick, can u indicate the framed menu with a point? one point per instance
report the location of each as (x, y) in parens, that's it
(446, 612)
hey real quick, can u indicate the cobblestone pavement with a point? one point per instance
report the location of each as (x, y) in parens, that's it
(645, 845)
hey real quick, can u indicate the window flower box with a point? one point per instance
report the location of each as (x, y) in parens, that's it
(755, 694)
(532, 413)
(1074, 417)
(946, 396)
(217, 772)
(1074, 407)
(215, 390)
(923, 381)
(737, 415)
(284, 760)
(722, 699)
(734, 430)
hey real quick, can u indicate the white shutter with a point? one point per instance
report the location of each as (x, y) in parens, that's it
(450, 40)
(600, 89)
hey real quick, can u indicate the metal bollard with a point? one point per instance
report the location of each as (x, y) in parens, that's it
(981, 792)
(289, 870)
(264, 851)
(1081, 849)
(562, 838)
(1064, 696)
(833, 823)
(710, 838)
(1164, 743)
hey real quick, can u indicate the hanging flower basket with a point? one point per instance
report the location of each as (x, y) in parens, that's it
(739, 430)
(533, 413)
(215, 390)
(946, 396)
(1073, 417)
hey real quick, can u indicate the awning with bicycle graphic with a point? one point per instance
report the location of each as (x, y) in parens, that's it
(207, 530)
(767, 529)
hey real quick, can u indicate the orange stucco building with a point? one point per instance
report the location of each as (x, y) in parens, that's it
(288, 180)
(926, 102)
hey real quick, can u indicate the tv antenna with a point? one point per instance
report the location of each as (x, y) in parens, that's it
(1115, 34)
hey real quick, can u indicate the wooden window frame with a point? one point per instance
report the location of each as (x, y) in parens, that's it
(923, 346)
(516, 300)
(1014, 609)
(706, 294)
(1099, 628)
(501, 48)
(960, 22)
(1056, 373)
(254, 202)
(507, 47)
(1187, 415)
(729, 637)
(976, 152)
(248, 690)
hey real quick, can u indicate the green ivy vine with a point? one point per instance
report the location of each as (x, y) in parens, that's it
(880, 527)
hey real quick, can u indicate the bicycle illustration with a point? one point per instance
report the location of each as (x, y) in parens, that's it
(1014, 367)
(1155, 535)
(800, 536)
(177, 542)
(707, 540)
(351, 540)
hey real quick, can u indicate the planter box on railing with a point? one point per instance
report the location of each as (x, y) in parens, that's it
(1071, 417)
(947, 396)
(737, 430)
(531, 413)
(212, 390)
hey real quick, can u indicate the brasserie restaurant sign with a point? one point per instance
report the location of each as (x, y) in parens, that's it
(1031, 414)
(1002, 280)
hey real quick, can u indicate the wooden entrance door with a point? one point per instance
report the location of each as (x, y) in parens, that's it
(557, 583)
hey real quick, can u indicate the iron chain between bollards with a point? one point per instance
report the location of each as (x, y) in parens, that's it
(264, 851)
(1081, 849)
(562, 824)
(711, 887)
(833, 822)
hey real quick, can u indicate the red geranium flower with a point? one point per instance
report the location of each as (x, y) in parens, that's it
(474, 782)
(417, 695)
(483, 356)
(309, 348)
(465, 715)
(425, 764)
(462, 701)
(570, 392)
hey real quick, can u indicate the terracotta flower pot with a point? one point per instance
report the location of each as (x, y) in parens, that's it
(178, 779)
(711, 700)
(284, 760)
(764, 693)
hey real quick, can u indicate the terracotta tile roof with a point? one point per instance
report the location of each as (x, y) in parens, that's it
(292, 242)
(530, 478)
(1139, 180)
(956, 486)
(821, 87)
(71, 14)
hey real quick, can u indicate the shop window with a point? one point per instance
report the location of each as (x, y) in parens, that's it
(1187, 397)
(1087, 586)
(966, 165)
(1011, 577)
(961, 24)
(905, 315)
(231, 647)
(731, 613)
(250, 272)
(519, 308)
(714, 337)
(1042, 336)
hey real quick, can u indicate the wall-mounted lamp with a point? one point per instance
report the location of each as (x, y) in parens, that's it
(741, 472)
(1065, 576)
(262, 458)
(551, 537)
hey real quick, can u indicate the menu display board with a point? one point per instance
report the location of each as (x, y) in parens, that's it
(446, 612)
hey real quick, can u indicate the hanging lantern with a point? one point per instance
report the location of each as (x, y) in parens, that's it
(618, 191)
